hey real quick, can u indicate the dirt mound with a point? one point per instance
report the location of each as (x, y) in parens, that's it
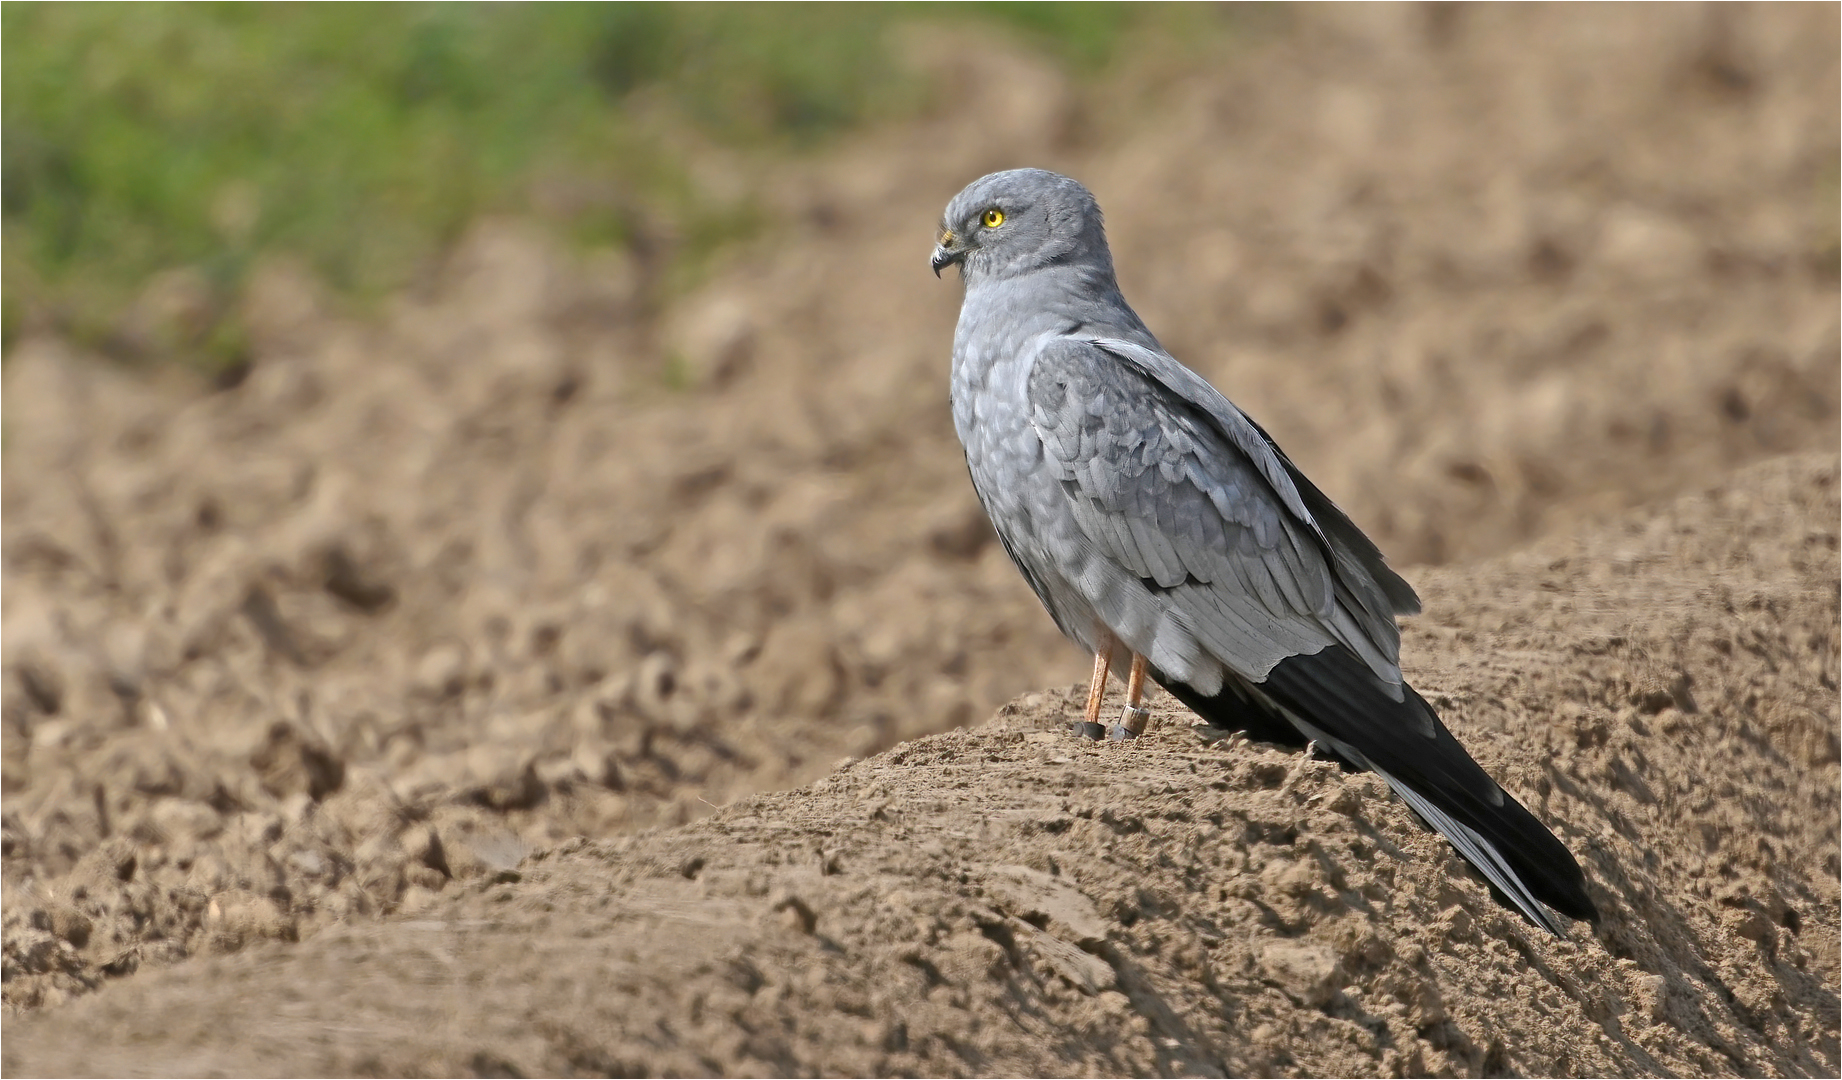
(538, 553)
(1010, 900)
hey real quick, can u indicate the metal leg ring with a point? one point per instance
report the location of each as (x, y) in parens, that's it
(1132, 722)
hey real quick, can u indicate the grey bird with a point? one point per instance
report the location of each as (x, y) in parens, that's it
(1167, 534)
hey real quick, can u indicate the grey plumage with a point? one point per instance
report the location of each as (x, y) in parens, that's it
(1152, 516)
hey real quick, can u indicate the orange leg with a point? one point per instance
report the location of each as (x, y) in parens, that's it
(1096, 688)
(1135, 716)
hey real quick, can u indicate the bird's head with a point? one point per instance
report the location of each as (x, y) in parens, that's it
(1010, 223)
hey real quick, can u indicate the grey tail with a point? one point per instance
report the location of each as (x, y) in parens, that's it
(1331, 697)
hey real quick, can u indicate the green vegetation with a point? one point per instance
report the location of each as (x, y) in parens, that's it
(362, 138)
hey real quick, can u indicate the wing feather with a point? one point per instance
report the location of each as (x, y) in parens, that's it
(1381, 593)
(1257, 601)
(1200, 532)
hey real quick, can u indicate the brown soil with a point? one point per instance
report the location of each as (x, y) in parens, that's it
(314, 685)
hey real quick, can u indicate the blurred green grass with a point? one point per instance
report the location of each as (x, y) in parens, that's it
(363, 138)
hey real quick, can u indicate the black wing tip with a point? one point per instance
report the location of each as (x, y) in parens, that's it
(1548, 867)
(1335, 690)
(1574, 903)
(1575, 906)
(1400, 594)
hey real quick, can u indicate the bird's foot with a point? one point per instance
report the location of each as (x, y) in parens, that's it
(1132, 722)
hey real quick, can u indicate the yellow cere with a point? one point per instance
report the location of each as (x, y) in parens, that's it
(993, 218)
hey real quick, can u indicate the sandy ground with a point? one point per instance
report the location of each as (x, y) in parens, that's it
(406, 706)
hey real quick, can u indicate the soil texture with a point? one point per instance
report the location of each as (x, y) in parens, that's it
(554, 673)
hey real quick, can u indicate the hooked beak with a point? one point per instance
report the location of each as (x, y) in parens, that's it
(944, 253)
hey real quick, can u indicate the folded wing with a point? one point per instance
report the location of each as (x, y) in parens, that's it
(1231, 546)
(1172, 482)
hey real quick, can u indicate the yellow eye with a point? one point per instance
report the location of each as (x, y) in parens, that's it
(993, 218)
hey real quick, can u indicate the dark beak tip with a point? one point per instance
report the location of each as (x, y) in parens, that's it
(941, 260)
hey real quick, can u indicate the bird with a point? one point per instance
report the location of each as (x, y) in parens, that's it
(1168, 535)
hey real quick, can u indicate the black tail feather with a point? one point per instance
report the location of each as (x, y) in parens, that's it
(1337, 694)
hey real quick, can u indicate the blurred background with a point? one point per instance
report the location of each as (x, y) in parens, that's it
(201, 140)
(498, 423)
